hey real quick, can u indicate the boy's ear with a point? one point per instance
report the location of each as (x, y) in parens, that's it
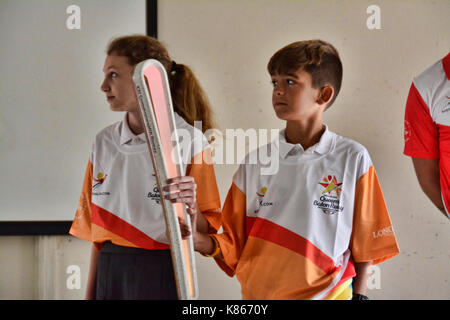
(325, 94)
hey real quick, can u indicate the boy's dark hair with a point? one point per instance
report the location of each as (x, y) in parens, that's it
(317, 57)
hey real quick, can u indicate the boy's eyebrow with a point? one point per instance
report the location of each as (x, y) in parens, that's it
(292, 75)
(288, 74)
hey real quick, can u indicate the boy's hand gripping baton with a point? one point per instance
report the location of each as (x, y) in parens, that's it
(155, 102)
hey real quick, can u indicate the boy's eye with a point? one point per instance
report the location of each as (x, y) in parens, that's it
(274, 82)
(113, 75)
(289, 81)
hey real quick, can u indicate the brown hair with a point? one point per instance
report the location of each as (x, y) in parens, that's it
(188, 97)
(317, 57)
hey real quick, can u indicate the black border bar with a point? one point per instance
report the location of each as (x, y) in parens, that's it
(152, 18)
(34, 228)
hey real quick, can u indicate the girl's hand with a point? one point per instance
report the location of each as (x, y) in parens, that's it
(182, 189)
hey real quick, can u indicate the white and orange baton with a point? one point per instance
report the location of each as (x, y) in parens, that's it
(153, 92)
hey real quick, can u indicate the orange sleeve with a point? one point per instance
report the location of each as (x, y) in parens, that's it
(81, 225)
(233, 238)
(201, 169)
(373, 237)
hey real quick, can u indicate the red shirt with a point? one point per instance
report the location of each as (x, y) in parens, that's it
(427, 121)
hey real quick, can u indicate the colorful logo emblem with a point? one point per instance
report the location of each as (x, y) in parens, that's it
(262, 192)
(101, 177)
(155, 195)
(407, 131)
(329, 201)
(330, 184)
(447, 107)
(259, 200)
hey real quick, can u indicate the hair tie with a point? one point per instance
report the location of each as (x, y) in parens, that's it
(173, 67)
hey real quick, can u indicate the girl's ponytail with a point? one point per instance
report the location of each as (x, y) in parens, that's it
(188, 98)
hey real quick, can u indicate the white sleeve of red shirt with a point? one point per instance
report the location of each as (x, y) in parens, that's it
(421, 133)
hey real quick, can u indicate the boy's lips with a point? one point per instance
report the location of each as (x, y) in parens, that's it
(110, 98)
(280, 104)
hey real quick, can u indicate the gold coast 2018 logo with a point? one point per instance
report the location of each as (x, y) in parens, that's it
(155, 195)
(329, 201)
(97, 183)
(260, 200)
(101, 177)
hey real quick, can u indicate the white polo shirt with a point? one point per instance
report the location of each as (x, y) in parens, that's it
(120, 200)
(294, 234)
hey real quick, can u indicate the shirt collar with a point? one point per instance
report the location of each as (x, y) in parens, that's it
(446, 65)
(127, 136)
(322, 147)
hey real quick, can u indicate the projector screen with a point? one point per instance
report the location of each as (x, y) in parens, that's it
(51, 106)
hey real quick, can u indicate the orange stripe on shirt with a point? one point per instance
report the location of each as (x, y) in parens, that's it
(102, 235)
(109, 221)
(269, 231)
(272, 275)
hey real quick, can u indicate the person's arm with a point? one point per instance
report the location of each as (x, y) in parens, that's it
(201, 223)
(204, 244)
(360, 280)
(427, 171)
(92, 277)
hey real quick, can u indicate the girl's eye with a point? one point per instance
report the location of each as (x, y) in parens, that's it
(274, 83)
(290, 81)
(113, 75)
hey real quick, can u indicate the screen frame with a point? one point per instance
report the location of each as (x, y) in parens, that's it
(62, 227)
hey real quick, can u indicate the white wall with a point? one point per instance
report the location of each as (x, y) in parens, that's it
(228, 45)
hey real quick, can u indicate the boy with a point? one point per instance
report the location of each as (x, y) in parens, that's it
(306, 231)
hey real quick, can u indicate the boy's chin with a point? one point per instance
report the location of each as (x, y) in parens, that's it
(282, 115)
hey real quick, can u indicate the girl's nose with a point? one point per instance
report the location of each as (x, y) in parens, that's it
(104, 87)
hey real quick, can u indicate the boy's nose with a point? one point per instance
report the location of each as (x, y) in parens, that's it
(277, 91)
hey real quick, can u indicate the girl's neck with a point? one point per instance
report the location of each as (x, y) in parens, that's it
(135, 122)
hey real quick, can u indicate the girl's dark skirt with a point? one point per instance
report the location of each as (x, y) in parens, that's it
(126, 273)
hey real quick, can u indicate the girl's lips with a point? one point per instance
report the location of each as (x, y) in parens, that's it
(110, 98)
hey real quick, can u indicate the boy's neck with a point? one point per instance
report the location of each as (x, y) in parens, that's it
(305, 133)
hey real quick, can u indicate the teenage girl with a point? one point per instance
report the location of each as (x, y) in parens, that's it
(119, 209)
